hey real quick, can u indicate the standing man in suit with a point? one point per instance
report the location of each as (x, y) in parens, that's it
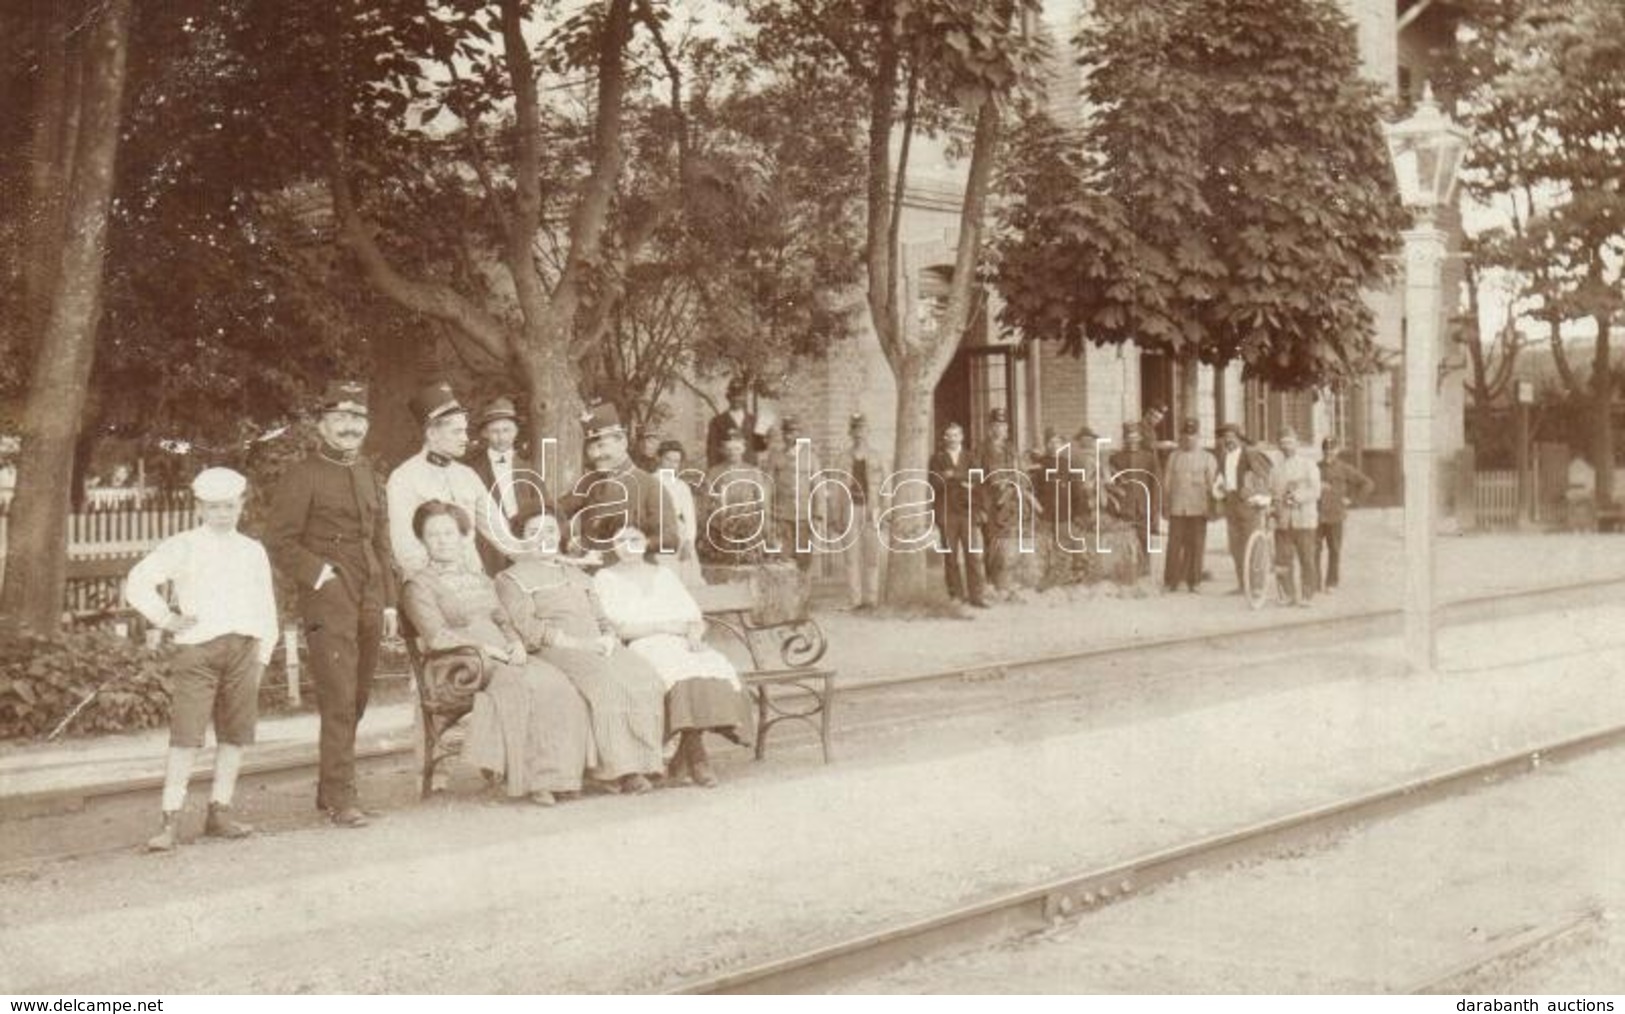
(328, 532)
(1187, 484)
(1244, 471)
(495, 465)
(735, 418)
(1341, 486)
(955, 515)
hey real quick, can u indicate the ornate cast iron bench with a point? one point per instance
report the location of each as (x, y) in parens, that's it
(783, 656)
(446, 683)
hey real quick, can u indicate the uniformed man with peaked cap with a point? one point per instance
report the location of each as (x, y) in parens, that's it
(328, 533)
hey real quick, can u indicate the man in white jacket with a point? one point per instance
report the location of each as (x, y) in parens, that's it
(224, 623)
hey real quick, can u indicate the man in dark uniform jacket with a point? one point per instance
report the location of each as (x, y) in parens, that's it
(950, 470)
(735, 418)
(1244, 471)
(617, 492)
(514, 486)
(329, 536)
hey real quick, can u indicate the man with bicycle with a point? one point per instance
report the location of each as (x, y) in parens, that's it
(1295, 490)
(1244, 472)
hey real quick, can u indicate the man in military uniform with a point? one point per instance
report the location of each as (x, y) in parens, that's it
(437, 473)
(617, 493)
(1187, 484)
(328, 533)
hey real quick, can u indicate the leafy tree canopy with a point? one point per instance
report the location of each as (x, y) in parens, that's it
(1228, 198)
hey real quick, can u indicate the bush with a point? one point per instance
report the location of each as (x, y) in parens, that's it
(43, 679)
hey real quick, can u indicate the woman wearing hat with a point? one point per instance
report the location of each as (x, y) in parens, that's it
(649, 609)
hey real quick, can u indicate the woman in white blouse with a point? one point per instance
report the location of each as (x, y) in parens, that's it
(654, 614)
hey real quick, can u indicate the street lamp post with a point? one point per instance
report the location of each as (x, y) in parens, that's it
(1426, 149)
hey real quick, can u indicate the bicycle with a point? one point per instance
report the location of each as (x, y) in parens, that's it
(1260, 580)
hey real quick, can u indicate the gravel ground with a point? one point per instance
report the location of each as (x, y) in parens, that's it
(639, 894)
(1389, 907)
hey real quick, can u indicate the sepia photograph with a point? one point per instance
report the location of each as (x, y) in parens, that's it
(881, 497)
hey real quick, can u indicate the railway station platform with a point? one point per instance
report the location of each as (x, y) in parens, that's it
(961, 789)
(876, 648)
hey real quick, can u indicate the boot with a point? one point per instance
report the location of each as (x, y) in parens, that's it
(220, 825)
(169, 836)
(699, 765)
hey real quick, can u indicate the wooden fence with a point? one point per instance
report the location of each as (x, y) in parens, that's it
(104, 541)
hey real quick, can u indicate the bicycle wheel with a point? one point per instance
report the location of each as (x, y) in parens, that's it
(1258, 568)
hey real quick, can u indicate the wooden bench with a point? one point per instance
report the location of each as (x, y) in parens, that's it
(446, 683)
(778, 664)
(778, 661)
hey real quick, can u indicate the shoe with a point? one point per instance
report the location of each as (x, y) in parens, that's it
(347, 816)
(699, 765)
(542, 797)
(636, 785)
(220, 825)
(677, 767)
(979, 604)
(169, 836)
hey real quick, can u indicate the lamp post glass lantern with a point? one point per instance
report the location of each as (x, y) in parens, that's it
(1426, 149)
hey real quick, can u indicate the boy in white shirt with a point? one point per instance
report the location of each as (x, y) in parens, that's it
(225, 630)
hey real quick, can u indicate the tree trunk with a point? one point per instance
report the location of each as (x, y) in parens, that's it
(1602, 433)
(36, 569)
(552, 405)
(910, 560)
(51, 155)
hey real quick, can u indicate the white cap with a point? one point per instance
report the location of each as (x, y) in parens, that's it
(214, 484)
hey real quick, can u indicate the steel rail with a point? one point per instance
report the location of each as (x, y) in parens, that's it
(1515, 946)
(1038, 906)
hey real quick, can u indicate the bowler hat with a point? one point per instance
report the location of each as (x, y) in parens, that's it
(345, 396)
(600, 420)
(435, 402)
(498, 408)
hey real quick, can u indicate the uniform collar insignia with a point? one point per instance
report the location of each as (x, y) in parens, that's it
(338, 457)
(436, 459)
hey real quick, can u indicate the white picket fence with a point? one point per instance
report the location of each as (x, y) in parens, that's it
(113, 530)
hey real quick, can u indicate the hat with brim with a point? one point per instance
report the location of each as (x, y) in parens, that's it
(1086, 435)
(1232, 428)
(601, 420)
(496, 410)
(435, 402)
(214, 485)
(344, 396)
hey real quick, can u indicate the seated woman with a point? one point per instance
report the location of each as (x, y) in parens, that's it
(531, 725)
(651, 610)
(551, 603)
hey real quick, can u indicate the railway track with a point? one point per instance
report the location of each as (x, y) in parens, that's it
(1041, 905)
(295, 766)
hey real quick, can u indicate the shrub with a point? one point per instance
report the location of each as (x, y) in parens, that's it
(44, 678)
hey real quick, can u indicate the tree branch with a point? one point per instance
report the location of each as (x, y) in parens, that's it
(527, 215)
(879, 253)
(591, 214)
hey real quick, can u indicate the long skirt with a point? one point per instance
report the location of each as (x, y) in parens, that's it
(531, 727)
(625, 703)
(702, 689)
